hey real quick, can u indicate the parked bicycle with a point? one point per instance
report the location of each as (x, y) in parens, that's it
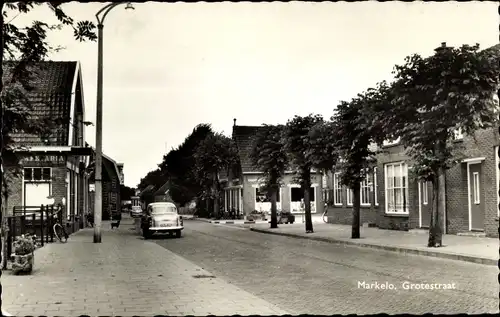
(58, 228)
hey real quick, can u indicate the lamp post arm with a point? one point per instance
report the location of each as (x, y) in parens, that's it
(105, 10)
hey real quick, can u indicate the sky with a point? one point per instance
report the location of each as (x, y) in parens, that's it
(171, 66)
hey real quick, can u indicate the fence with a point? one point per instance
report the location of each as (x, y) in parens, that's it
(33, 220)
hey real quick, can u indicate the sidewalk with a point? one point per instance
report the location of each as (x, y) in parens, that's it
(124, 275)
(298, 219)
(464, 248)
(232, 222)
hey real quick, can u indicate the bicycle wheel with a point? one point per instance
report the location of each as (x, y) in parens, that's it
(60, 233)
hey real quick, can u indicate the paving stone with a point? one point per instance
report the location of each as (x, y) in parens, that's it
(124, 275)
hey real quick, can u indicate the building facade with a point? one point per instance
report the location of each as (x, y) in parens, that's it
(52, 165)
(401, 202)
(242, 184)
(111, 201)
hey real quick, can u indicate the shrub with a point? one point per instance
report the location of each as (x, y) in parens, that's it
(25, 244)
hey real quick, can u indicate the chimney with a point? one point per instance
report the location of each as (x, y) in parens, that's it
(443, 46)
(234, 122)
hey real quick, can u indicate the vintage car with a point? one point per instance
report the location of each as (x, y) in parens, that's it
(136, 212)
(161, 217)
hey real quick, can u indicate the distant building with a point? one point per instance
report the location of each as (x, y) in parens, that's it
(120, 171)
(111, 201)
(163, 194)
(242, 184)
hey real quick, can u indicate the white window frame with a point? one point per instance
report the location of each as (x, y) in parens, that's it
(458, 134)
(404, 188)
(349, 194)
(32, 168)
(337, 189)
(425, 193)
(476, 188)
(391, 142)
(365, 184)
(375, 185)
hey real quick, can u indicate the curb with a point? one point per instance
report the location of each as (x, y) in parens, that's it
(457, 257)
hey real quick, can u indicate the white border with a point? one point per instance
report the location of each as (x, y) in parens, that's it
(498, 180)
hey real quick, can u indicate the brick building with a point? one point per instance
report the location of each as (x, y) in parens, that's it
(241, 185)
(51, 165)
(111, 181)
(400, 202)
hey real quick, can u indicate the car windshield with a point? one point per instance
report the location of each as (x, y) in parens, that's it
(162, 210)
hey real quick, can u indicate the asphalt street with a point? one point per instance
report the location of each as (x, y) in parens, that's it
(313, 277)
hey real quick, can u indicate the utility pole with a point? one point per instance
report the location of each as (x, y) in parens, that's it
(98, 147)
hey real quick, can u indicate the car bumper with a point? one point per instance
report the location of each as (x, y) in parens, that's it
(165, 229)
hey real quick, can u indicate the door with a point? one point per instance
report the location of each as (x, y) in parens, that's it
(476, 200)
(425, 197)
(35, 195)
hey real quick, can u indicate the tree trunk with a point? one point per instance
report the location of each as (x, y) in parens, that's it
(356, 216)
(274, 213)
(215, 195)
(435, 229)
(307, 200)
(1, 140)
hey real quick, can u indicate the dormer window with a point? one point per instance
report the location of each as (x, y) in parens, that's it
(391, 142)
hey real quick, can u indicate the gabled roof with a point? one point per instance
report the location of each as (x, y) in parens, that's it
(109, 161)
(163, 190)
(244, 137)
(148, 190)
(50, 96)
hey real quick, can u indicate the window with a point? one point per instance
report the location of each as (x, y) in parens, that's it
(337, 190)
(458, 134)
(425, 193)
(375, 185)
(365, 191)
(396, 188)
(262, 196)
(349, 197)
(476, 188)
(37, 174)
(298, 194)
(391, 142)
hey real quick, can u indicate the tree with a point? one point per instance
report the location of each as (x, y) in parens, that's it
(430, 99)
(215, 153)
(268, 155)
(178, 166)
(24, 46)
(126, 192)
(297, 140)
(352, 135)
(154, 177)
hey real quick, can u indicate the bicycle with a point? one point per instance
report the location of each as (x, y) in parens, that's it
(59, 230)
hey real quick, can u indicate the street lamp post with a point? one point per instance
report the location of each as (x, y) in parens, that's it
(100, 16)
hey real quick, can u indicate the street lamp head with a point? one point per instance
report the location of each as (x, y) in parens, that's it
(129, 6)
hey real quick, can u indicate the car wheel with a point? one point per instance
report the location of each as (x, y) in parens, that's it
(178, 234)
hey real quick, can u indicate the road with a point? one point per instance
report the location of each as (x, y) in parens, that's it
(312, 277)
